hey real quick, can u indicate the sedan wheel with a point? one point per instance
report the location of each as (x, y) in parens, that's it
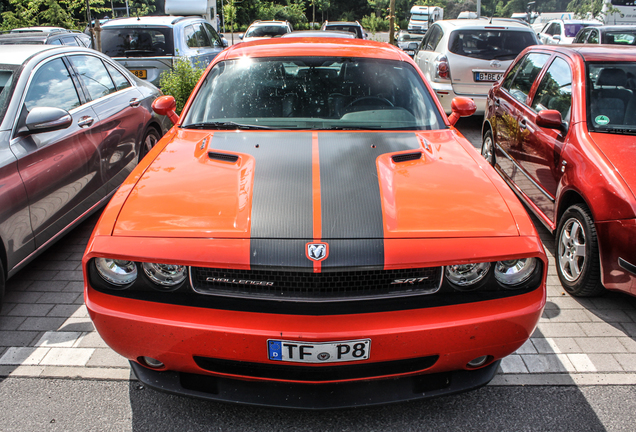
(148, 143)
(578, 263)
(488, 148)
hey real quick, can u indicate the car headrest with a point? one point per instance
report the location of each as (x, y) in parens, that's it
(612, 77)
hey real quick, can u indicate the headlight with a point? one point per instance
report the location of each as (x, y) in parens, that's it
(514, 272)
(165, 275)
(465, 276)
(116, 272)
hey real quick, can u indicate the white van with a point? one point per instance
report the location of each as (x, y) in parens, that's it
(421, 16)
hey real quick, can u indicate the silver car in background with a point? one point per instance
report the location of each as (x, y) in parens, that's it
(464, 57)
(148, 46)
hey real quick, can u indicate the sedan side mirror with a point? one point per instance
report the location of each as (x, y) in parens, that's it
(166, 105)
(550, 119)
(461, 107)
(46, 119)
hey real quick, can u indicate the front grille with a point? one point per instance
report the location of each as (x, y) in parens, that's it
(315, 373)
(308, 286)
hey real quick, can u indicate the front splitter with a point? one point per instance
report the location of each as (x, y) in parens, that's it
(315, 396)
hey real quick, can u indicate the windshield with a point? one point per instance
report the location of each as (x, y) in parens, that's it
(6, 81)
(610, 94)
(266, 31)
(419, 17)
(490, 44)
(572, 29)
(137, 42)
(313, 93)
(346, 28)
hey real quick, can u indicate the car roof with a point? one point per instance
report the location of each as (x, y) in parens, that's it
(357, 24)
(617, 28)
(576, 21)
(148, 20)
(316, 47)
(480, 23)
(594, 52)
(319, 34)
(18, 54)
(45, 29)
(256, 23)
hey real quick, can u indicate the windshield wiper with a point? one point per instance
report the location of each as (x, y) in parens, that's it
(617, 131)
(223, 125)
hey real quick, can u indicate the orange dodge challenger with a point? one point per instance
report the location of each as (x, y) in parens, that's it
(314, 233)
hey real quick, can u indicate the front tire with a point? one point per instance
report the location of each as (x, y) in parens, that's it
(578, 262)
(488, 148)
(150, 139)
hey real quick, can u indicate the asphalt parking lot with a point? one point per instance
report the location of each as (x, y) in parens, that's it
(45, 331)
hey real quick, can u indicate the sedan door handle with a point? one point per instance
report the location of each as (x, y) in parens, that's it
(497, 103)
(523, 125)
(135, 102)
(85, 121)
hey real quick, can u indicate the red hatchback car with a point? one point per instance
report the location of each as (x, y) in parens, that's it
(560, 128)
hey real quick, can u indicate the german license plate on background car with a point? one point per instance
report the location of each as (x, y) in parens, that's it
(321, 352)
(139, 73)
(488, 76)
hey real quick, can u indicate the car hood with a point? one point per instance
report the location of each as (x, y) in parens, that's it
(315, 185)
(620, 151)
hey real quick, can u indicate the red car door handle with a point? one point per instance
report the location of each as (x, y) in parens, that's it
(135, 102)
(85, 121)
(523, 125)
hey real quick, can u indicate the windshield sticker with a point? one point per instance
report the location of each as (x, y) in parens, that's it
(601, 120)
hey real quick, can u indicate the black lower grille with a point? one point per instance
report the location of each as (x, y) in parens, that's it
(309, 286)
(315, 373)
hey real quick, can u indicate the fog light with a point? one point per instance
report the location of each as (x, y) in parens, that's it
(153, 363)
(479, 361)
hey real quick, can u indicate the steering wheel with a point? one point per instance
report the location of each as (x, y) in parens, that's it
(364, 100)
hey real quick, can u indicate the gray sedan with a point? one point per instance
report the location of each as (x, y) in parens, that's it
(73, 125)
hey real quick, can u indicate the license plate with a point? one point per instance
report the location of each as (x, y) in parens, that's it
(410, 52)
(488, 76)
(139, 73)
(321, 352)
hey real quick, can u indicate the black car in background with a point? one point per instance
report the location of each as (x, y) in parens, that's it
(43, 36)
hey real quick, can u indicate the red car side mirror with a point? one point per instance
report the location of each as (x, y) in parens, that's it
(461, 107)
(166, 105)
(550, 119)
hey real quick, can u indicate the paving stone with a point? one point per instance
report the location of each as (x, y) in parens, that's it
(58, 298)
(10, 323)
(79, 300)
(106, 357)
(36, 275)
(23, 356)
(77, 255)
(550, 329)
(609, 315)
(67, 356)
(628, 343)
(554, 291)
(17, 338)
(31, 310)
(41, 323)
(59, 339)
(601, 329)
(526, 348)
(77, 324)
(513, 364)
(605, 363)
(570, 315)
(6, 308)
(566, 302)
(17, 285)
(92, 340)
(627, 361)
(65, 310)
(22, 297)
(611, 302)
(74, 286)
(555, 345)
(581, 362)
(547, 363)
(601, 345)
(47, 286)
(75, 275)
(68, 265)
(81, 312)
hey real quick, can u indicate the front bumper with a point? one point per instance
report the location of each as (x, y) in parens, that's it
(310, 396)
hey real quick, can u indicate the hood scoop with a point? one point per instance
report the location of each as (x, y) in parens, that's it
(405, 157)
(225, 157)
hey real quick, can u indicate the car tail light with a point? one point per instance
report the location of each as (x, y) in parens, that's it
(442, 68)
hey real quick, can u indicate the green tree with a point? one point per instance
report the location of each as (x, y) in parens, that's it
(180, 81)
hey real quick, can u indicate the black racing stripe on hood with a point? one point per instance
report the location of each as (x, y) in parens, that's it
(282, 193)
(350, 190)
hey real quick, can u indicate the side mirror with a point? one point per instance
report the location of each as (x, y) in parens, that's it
(46, 119)
(461, 107)
(556, 37)
(550, 119)
(225, 42)
(166, 105)
(241, 37)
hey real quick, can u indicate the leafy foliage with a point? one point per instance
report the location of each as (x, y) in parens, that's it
(180, 81)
